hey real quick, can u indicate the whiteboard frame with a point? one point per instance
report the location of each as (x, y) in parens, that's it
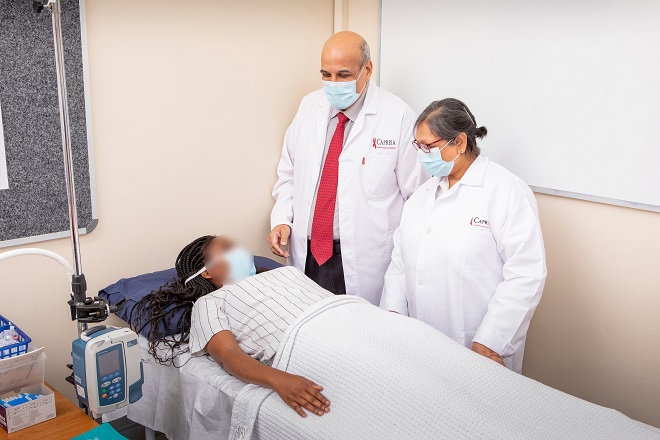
(90, 147)
(536, 189)
(596, 199)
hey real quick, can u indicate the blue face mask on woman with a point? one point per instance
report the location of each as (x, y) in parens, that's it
(433, 163)
(241, 264)
(342, 94)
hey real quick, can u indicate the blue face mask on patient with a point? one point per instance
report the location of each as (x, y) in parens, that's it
(241, 264)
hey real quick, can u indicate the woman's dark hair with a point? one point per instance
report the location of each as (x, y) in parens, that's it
(450, 117)
(158, 309)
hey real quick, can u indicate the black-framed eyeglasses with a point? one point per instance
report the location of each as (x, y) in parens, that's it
(426, 148)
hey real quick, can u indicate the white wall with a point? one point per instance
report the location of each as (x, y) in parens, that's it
(190, 101)
(596, 334)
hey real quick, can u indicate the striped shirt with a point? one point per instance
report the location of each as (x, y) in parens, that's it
(256, 310)
(352, 114)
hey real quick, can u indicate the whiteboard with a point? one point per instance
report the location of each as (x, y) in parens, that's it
(569, 90)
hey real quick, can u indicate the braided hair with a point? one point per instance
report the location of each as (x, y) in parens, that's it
(158, 309)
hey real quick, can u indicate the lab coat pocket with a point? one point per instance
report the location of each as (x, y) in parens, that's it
(378, 176)
(475, 254)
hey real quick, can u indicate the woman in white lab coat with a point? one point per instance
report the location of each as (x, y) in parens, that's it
(468, 256)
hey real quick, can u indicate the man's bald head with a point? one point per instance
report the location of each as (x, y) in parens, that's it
(347, 43)
(345, 57)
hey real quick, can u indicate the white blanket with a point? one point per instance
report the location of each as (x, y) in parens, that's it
(392, 377)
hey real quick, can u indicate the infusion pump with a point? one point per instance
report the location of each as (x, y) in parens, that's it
(107, 368)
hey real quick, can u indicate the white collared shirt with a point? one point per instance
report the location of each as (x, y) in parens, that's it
(470, 262)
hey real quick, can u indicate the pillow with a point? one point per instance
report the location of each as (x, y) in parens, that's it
(126, 293)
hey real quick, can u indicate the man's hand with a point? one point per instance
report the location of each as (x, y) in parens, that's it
(299, 393)
(279, 237)
(487, 352)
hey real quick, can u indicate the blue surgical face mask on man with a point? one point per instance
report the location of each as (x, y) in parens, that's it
(342, 94)
(433, 163)
(241, 264)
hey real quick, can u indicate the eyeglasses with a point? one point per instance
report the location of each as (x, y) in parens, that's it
(424, 147)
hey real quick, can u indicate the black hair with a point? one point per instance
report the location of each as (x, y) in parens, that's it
(158, 309)
(450, 117)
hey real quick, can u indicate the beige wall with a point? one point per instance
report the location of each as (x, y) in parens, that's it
(190, 101)
(596, 334)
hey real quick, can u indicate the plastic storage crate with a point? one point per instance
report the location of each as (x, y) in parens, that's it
(20, 347)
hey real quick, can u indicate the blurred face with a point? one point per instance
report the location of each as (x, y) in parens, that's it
(217, 269)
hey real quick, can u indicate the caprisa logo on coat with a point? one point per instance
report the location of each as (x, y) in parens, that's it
(384, 144)
(479, 222)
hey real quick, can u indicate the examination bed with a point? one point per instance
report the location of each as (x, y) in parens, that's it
(414, 383)
(191, 402)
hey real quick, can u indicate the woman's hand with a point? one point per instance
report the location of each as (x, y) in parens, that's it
(299, 393)
(487, 352)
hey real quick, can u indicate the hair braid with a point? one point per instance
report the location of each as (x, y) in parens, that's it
(158, 308)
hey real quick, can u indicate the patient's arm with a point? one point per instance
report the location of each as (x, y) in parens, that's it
(295, 391)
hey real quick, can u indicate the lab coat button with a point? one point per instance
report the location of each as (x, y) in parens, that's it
(428, 230)
(420, 282)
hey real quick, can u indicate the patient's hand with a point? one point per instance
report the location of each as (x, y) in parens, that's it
(299, 393)
(487, 352)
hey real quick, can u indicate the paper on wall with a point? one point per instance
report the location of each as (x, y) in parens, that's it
(4, 181)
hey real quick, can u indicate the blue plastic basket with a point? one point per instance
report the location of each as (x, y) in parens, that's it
(11, 350)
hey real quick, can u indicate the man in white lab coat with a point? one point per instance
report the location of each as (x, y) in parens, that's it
(347, 167)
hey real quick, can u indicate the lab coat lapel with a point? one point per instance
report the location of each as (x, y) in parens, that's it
(370, 106)
(316, 150)
(322, 118)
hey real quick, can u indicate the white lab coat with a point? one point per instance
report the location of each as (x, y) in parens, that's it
(472, 262)
(378, 171)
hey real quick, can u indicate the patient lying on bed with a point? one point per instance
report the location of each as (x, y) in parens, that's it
(239, 316)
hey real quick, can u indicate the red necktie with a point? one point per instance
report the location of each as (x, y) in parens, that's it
(326, 198)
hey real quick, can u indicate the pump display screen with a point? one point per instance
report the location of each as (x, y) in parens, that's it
(108, 362)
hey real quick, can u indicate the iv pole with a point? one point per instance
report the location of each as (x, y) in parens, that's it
(82, 309)
(78, 283)
(79, 286)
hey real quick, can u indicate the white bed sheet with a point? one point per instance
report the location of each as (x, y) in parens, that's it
(191, 402)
